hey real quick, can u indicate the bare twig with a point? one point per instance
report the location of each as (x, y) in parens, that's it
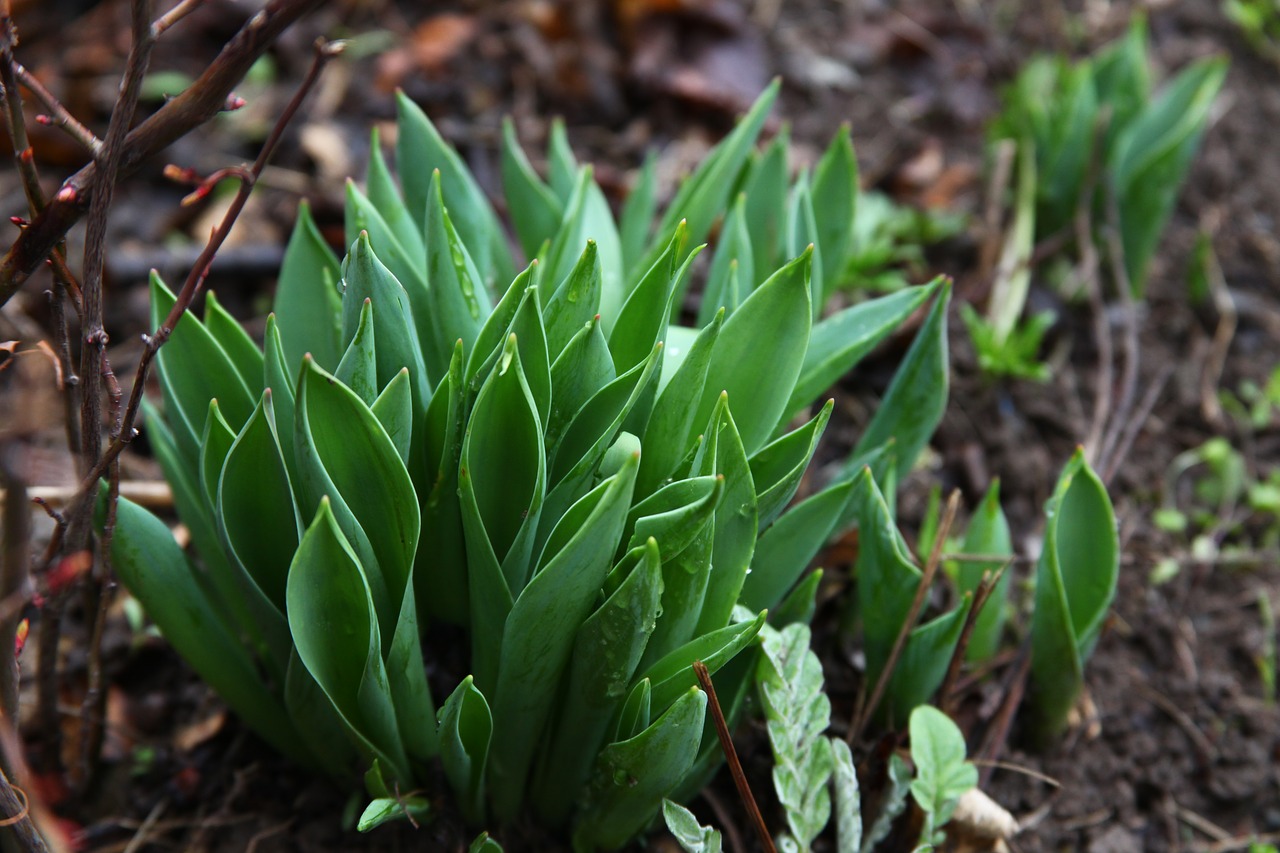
(731, 756)
(998, 733)
(197, 104)
(173, 16)
(15, 121)
(195, 279)
(1134, 424)
(1129, 377)
(95, 370)
(57, 113)
(863, 713)
(946, 693)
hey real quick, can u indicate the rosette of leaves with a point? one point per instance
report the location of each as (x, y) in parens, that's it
(539, 455)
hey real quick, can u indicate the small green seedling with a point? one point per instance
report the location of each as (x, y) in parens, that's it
(1075, 583)
(942, 773)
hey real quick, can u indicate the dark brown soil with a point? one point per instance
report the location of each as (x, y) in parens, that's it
(1177, 750)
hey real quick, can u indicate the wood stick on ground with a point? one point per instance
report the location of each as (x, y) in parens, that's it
(731, 756)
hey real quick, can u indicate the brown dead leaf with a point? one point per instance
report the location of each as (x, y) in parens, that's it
(979, 818)
(431, 47)
(192, 735)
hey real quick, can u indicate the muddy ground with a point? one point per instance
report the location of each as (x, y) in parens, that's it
(1177, 748)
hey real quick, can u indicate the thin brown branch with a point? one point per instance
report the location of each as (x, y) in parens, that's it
(946, 693)
(94, 369)
(198, 103)
(195, 279)
(998, 733)
(14, 119)
(173, 16)
(58, 115)
(863, 712)
(731, 756)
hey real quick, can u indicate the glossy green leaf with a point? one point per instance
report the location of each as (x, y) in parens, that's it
(988, 533)
(394, 410)
(637, 216)
(1152, 156)
(420, 150)
(217, 577)
(562, 166)
(582, 370)
(674, 413)
(575, 302)
(540, 630)
(736, 522)
(386, 200)
(842, 340)
(235, 342)
(319, 724)
(733, 252)
(596, 424)
(531, 339)
(216, 440)
(887, 583)
(358, 369)
(346, 456)
(501, 482)
(912, 407)
(766, 336)
(385, 809)
(777, 467)
(395, 342)
(154, 569)
(335, 628)
(643, 319)
(1075, 583)
(493, 334)
(504, 472)
(634, 716)
(363, 218)
(440, 569)
(281, 379)
(307, 296)
(675, 514)
(457, 298)
(466, 730)
(606, 652)
(834, 192)
(766, 192)
(535, 210)
(801, 233)
(800, 604)
(255, 504)
(632, 777)
(786, 549)
(194, 368)
(674, 674)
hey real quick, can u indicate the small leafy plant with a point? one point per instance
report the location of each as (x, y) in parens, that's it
(1103, 116)
(541, 457)
(1075, 583)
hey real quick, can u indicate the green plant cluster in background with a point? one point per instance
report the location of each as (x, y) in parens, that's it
(1092, 136)
(540, 455)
